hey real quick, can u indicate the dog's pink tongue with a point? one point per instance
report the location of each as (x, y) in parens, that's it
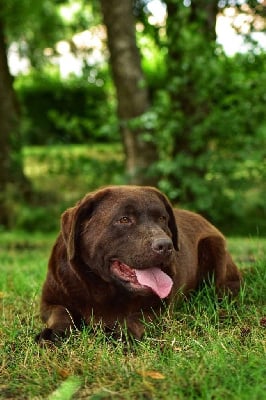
(156, 279)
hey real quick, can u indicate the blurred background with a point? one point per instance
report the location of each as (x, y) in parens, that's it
(166, 93)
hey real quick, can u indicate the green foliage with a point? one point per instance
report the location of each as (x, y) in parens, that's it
(211, 127)
(206, 349)
(60, 176)
(66, 111)
(207, 112)
(153, 64)
(33, 26)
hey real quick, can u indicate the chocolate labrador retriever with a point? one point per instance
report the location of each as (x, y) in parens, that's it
(121, 250)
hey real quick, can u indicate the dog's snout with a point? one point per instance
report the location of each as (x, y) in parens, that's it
(162, 246)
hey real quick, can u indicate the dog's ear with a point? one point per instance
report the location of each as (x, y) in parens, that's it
(69, 223)
(72, 218)
(172, 221)
(67, 219)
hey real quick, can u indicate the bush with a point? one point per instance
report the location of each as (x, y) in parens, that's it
(65, 111)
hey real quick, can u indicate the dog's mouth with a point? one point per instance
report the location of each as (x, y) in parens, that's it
(149, 279)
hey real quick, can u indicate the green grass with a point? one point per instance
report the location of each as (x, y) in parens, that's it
(72, 170)
(206, 350)
(60, 175)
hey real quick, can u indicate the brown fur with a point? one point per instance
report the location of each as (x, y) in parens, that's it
(80, 286)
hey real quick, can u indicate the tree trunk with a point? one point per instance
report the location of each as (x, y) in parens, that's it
(132, 93)
(204, 13)
(11, 171)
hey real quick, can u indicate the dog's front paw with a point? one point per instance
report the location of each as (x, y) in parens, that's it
(48, 337)
(135, 327)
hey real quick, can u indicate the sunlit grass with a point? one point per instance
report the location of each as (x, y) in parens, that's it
(71, 171)
(63, 158)
(62, 174)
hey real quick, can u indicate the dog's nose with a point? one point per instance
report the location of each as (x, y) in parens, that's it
(163, 246)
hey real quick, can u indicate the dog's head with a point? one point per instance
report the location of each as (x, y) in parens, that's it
(126, 235)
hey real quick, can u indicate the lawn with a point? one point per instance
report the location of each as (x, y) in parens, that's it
(205, 350)
(60, 175)
(72, 170)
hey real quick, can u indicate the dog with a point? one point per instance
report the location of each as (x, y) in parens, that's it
(123, 252)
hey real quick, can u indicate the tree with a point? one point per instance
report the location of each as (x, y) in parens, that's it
(212, 117)
(11, 168)
(18, 20)
(132, 92)
(190, 41)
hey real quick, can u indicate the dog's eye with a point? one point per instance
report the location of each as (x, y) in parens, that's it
(125, 220)
(162, 218)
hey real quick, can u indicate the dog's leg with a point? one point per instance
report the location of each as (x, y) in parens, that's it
(135, 326)
(232, 280)
(59, 323)
(214, 259)
(136, 321)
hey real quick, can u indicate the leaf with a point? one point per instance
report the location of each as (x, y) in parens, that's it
(67, 389)
(64, 373)
(152, 374)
